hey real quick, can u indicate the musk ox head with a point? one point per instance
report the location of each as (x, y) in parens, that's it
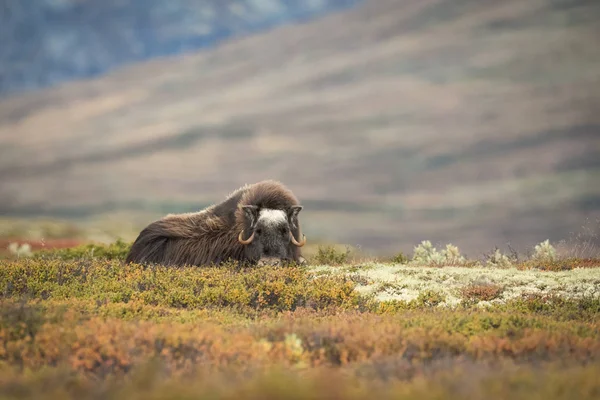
(268, 234)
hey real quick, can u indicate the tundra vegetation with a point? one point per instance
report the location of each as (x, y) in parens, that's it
(80, 323)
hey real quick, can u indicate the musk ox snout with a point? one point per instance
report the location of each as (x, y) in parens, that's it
(269, 261)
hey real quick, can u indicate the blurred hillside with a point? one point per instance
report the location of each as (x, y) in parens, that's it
(45, 42)
(470, 122)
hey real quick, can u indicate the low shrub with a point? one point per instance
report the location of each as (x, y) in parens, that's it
(427, 255)
(544, 251)
(499, 260)
(328, 255)
(113, 251)
(400, 258)
(100, 347)
(481, 292)
(559, 264)
(266, 288)
(74, 322)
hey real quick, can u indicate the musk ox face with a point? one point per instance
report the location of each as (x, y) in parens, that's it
(271, 234)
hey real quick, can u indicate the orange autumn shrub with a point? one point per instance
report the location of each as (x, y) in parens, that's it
(109, 346)
(481, 292)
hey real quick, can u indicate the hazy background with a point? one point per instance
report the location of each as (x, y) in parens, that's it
(473, 122)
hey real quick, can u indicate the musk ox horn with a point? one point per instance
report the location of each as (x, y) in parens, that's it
(247, 241)
(299, 244)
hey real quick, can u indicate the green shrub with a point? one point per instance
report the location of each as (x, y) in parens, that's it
(400, 258)
(328, 255)
(430, 298)
(226, 286)
(113, 251)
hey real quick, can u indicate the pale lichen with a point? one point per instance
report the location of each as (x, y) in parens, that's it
(401, 282)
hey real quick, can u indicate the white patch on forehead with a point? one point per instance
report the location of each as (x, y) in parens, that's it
(271, 217)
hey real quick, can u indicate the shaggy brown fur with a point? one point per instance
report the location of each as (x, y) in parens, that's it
(210, 236)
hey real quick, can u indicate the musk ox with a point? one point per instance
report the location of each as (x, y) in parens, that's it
(255, 225)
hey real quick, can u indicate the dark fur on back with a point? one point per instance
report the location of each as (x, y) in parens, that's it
(210, 236)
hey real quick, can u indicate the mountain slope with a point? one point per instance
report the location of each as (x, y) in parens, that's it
(46, 42)
(396, 121)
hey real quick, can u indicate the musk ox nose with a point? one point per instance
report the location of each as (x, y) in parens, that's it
(271, 261)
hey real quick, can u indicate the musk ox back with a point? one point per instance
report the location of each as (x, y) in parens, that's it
(256, 224)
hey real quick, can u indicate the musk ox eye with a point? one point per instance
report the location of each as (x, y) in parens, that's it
(283, 230)
(259, 231)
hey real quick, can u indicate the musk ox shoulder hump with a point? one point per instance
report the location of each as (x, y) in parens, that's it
(268, 194)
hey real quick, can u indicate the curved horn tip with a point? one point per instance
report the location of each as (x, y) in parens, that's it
(247, 241)
(299, 244)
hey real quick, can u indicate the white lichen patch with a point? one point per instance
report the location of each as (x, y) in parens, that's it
(402, 282)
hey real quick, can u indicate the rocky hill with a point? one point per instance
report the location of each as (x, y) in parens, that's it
(472, 122)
